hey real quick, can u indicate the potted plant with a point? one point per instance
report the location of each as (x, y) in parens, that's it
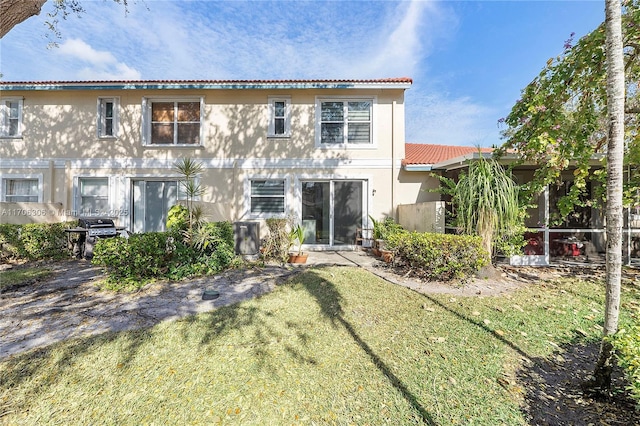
(296, 236)
(377, 236)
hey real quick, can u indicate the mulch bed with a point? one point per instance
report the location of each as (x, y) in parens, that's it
(553, 391)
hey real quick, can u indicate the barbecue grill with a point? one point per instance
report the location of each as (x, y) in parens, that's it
(89, 229)
(97, 227)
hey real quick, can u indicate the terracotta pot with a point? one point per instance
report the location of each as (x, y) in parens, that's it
(387, 255)
(302, 258)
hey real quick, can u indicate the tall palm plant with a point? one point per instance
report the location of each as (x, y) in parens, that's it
(486, 203)
(190, 170)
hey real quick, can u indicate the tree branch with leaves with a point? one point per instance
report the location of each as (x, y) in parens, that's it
(561, 120)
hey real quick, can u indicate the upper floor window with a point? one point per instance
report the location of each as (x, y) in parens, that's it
(279, 117)
(107, 117)
(172, 122)
(11, 117)
(267, 196)
(344, 122)
(19, 189)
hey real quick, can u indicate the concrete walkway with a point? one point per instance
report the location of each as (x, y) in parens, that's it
(70, 305)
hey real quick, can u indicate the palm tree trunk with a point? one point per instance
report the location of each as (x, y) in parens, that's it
(615, 153)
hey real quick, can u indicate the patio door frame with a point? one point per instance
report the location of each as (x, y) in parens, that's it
(146, 180)
(366, 203)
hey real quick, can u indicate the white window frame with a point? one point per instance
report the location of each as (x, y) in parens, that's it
(248, 196)
(147, 104)
(5, 118)
(6, 177)
(101, 123)
(345, 144)
(272, 116)
(77, 199)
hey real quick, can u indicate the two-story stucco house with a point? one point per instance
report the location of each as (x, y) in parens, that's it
(324, 152)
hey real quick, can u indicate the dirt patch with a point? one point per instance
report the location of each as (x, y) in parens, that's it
(553, 392)
(494, 280)
(490, 281)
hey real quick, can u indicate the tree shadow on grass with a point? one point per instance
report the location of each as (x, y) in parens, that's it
(40, 370)
(330, 302)
(553, 392)
(552, 385)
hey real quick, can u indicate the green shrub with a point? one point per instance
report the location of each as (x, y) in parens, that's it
(178, 218)
(382, 229)
(10, 242)
(438, 256)
(35, 241)
(626, 344)
(45, 240)
(132, 262)
(139, 257)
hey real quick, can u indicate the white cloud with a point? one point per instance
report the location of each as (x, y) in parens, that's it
(103, 65)
(438, 119)
(402, 50)
(81, 50)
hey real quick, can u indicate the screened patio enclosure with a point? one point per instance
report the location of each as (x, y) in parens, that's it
(581, 236)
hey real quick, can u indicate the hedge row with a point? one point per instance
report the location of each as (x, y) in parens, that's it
(34, 241)
(133, 261)
(438, 256)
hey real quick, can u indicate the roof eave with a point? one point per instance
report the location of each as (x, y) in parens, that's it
(417, 167)
(206, 85)
(460, 161)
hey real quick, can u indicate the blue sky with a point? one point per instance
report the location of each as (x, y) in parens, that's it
(468, 59)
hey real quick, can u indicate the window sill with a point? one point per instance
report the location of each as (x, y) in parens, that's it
(108, 138)
(287, 136)
(12, 138)
(344, 147)
(178, 146)
(258, 216)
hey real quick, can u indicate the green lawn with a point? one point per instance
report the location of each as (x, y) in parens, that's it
(20, 277)
(333, 346)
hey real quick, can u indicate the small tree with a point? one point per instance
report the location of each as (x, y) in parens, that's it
(190, 170)
(615, 154)
(486, 203)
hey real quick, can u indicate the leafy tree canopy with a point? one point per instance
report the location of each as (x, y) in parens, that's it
(560, 122)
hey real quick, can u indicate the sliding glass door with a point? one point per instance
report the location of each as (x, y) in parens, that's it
(332, 210)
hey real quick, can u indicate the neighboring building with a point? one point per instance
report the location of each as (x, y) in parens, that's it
(325, 152)
(579, 235)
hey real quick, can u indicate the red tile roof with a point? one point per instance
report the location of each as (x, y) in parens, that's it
(418, 153)
(395, 80)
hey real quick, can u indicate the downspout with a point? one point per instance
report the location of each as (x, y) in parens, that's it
(50, 182)
(393, 160)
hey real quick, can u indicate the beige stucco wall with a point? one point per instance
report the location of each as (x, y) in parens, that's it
(22, 213)
(60, 144)
(417, 187)
(62, 124)
(423, 217)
